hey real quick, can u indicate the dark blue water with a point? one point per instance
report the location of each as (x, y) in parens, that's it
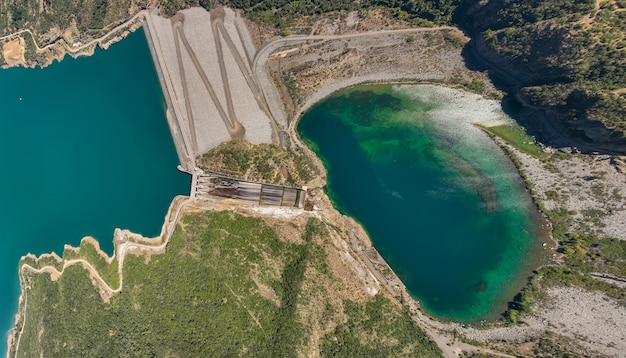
(84, 148)
(440, 201)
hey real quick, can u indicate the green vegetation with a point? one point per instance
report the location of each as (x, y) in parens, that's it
(579, 101)
(74, 293)
(548, 348)
(523, 301)
(228, 285)
(88, 14)
(476, 355)
(88, 252)
(474, 85)
(550, 276)
(170, 7)
(47, 260)
(282, 14)
(563, 276)
(561, 220)
(91, 17)
(583, 253)
(569, 56)
(360, 335)
(30, 53)
(516, 136)
(290, 287)
(587, 253)
(262, 162)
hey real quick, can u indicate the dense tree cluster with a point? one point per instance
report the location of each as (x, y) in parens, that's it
(282, 13)
(202, 298)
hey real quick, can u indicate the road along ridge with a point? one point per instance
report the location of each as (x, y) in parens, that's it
(125, 243)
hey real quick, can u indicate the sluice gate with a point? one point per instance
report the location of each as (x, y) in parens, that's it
(217, 184)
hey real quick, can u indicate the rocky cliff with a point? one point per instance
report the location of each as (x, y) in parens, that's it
(564, 62)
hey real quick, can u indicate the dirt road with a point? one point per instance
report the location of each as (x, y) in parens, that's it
(235, 129)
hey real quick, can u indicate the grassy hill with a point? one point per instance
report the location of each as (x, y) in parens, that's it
(267, 163)
(227, 285)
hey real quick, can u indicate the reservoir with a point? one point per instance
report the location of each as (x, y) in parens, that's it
(84, 148)
(441, 202)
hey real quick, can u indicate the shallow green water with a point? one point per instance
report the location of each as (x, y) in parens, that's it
(440, 201)
(84, 148)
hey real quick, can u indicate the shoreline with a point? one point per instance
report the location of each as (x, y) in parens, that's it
(125, 242)
(547, 244)
(509, 333)
(531, 179)
(88, 49)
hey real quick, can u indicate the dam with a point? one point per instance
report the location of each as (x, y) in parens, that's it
(218, 184)
(204, 61)
(204, 64)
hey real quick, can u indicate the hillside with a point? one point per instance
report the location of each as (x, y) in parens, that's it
(566, 63)
(228, 284)
(267, 163)
(566, 59)
(49, 29)
(564, 69)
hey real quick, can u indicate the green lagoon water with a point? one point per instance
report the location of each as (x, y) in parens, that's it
(440, 201)
(84, 148)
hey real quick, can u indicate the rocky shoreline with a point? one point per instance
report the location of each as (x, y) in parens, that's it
(561, 313)
(572, 182)
(569, 174)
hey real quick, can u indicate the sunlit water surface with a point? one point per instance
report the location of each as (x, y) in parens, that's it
(84, 148)
(440, 201)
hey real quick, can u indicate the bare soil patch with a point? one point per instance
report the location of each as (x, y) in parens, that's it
(13, 52)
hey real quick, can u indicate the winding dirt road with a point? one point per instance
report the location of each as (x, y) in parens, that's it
(217, 23)
(234, 127)
(262, 53)
(123, 247)
(74, 50)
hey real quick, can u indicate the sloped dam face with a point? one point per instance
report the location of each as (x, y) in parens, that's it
(441, 202)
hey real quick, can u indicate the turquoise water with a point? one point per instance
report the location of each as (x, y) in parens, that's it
(439, 200)
(85, 148)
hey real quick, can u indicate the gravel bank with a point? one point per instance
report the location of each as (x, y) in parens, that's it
(584, 182)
